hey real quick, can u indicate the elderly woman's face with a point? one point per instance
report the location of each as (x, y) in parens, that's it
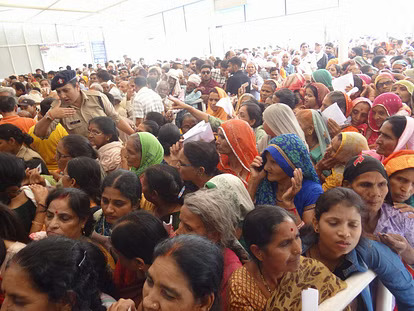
(359, 114)
(402, 92)
(402, 185)
(372, 187)
(133, 155)
(191, 223)
(222, 145)
(62, 220)
(282, 254)
(273, 171)
(333, 147)
(265, 92)
(251, 69)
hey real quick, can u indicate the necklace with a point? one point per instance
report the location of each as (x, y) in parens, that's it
(263, 280)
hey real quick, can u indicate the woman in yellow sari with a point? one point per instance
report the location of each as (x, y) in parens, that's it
(215, 111)
(343, 147)
(276, 276)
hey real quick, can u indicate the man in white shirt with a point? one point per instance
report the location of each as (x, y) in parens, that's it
(145, 100)
(307, 60)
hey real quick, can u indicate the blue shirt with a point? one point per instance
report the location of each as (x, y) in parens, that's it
(386, 264)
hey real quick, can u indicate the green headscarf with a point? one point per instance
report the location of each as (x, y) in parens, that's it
(321, 130)
(323, 76)
(151, 152)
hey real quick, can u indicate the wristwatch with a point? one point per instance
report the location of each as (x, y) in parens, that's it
(47, 116)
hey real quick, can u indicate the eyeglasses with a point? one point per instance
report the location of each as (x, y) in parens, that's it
(94, 133)
(205, 72)
(60, 156)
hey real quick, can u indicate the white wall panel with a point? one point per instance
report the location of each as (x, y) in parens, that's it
(35, 57)
(14, 33)
(6, 68)
(20, 59)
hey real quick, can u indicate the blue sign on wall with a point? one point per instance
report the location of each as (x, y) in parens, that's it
(98, 52)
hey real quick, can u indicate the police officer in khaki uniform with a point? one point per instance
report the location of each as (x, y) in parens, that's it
(76, 108)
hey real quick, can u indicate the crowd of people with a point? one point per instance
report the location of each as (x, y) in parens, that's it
(209, 184)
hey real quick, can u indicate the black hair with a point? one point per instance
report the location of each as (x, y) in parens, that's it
(168, 135)
(77, 146)
(11, 227)
(107, 126)
(19, 86)
(7, 103)
(377, 59)
(140, 81)
(199, 63)
(274, 69)
(200, 260)
(166, 181)
(51, 72)
(152, 127)
(12, 173)
(261, 223)
(57, 266)
(206, 66)
(337, 195)
(224, 64)
(136, 234)
(236, 61)
(87, 173)
(365, 69)
(156, 117)
(45, 105)
(78, 202)
(358, 50)
(286, 97)
(254, 111)
(8, 131)
(104, 75)
(202, 154)
(103, 271)
(193, 59)
(302, 44)
(330, 44)
(398, 124)
(110, 97)
(339, 98)
(127, 183)
(357, 83)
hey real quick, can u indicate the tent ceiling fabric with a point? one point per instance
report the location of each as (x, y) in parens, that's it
(83, 12)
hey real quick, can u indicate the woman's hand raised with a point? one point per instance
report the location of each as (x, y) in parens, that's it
(256, 170)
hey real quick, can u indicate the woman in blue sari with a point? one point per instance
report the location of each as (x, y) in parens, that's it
(284, 176)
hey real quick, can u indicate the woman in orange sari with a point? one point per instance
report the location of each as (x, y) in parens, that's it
(215, 95)
(236, 145)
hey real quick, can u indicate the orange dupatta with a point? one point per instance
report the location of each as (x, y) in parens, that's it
(240, 137)
(219, 113)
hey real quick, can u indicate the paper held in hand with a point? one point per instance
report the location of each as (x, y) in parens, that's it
(340, 84)
(310, 299)
(201, 131)
(335, 113)
(225, 103)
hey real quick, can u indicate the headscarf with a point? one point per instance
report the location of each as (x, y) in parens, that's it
(240, 137)
(406, 141)
(398, 161)
(348, 104)
(151, 152)
(313, 118)
(219, 113)
(323, 76)
(352, 144)
(409, 73)
(358, 100)
(365, 78)
(361, 164)
(195, 79)
(294, 82)
(234, 191)
(390, 102)
(321, 90)
(383, 76)
(281, 120)
(333, 61)
(407, 84)
(290, 153)
(240, 100)
(175, 74)
(360, 61)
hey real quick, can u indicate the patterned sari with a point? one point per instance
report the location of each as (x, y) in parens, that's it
(244, 292)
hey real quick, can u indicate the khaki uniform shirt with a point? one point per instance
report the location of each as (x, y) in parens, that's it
(91, 108)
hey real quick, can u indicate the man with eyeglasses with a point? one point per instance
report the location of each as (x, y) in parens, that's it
(207, 83)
